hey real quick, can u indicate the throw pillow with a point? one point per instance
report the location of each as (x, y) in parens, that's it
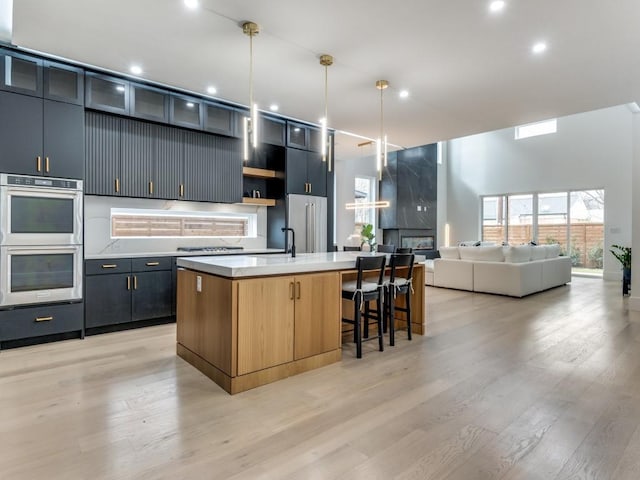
(553, 250)
(517, 254)
(538, 252)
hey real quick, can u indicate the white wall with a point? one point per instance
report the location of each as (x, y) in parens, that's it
(346, 171)
(589, 150)
(634, 301)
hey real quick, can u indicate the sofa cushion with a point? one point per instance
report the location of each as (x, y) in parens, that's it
(482, 254)
(552, 250)
(517, 254)
(449, 252)
(538, 252)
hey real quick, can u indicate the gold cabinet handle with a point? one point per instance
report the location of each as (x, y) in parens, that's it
(150, 188)
(135, 282)
(309, 187)
(43, 319)
(291, 291)
(39, 163)
(46, 164)
(182, 189)
(109, 265)
(117, 185)
(298, 290)
(128, 282)
(153, 264)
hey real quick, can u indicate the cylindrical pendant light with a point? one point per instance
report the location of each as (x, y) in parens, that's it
(381, 143)
(250, 124)
(326, 61)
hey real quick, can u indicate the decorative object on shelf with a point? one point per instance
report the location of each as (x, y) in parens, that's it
(326, 61)
(381, 142)
(623, 254)
(368, 237)
(250, 124)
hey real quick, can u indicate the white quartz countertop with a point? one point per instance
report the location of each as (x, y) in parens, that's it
(266, 265)
(175, 253)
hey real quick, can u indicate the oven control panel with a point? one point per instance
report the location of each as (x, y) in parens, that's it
(42, 182)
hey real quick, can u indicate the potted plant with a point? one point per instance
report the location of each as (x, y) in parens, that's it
(623, 254)
(368, 236)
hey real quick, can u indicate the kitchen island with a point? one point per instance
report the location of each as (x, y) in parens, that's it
(245, 321)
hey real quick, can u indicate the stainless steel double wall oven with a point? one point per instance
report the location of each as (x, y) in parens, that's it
(40, 240)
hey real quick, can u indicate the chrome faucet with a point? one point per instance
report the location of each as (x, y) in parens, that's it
(286, 241)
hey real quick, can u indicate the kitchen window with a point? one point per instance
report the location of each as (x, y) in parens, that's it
(143, 223)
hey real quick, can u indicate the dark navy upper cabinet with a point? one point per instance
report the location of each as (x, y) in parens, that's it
(63, 83)
(33, 76)
(306, 173)
(106, 93)
(20, 73)
(186, 112)
(297, 136)
(220, 119)
(271, 130)
(41, 137)
(149, 103)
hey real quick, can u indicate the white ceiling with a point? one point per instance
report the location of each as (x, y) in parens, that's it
(468, 70)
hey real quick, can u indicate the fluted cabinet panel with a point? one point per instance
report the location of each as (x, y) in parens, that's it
(228, 171)
(102, 154)
(169, 162)
(199, 166)
(138, 153)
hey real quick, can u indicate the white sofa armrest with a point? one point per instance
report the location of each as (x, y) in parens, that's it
(451, 273)
(555, 271)
(514, 279)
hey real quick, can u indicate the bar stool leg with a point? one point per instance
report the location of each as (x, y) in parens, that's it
(392, 320)
(408, 300)
(366, 319)
(380, 331)
(356, 327)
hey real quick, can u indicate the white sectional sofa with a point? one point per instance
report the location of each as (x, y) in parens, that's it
(515, 270)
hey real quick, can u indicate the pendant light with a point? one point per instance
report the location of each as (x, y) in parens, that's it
(250, 124)
(326, 61)
(381, 142)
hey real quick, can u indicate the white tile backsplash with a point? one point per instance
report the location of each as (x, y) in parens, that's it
(97, 226)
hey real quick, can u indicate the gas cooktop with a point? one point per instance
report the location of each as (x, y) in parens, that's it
(209, 249)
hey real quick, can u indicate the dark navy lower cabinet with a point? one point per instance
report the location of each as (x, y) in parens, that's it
(41, 320)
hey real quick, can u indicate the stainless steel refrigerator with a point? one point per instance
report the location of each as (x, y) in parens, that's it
(307, 215)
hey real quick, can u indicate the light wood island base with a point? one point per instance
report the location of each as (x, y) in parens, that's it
(246, 331)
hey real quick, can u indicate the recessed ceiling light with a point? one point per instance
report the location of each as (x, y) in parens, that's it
(120, 88)
(321, 121)
(190, 104)
(297, 129)
(539, 47)
(497, 5)
(136, 69)
(403, 93)
(211, 90)
(192, 4)
(273, 107)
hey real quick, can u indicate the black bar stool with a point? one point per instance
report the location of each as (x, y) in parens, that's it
(386, 248)
(362, 291)
(348, 248)
(404, 250)
(398, 283)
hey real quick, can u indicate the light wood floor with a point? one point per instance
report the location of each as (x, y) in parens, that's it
(545, 387)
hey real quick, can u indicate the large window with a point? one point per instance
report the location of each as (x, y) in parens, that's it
(365, 194)
(129, 222)
(575, 220)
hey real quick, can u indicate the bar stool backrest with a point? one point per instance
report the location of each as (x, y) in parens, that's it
(364, 264)
(404, 250)
(348, 248)
(401, 260)
(386, 248)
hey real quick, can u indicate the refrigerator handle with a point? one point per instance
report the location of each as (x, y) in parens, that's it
(313, 228)
(308, 225)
